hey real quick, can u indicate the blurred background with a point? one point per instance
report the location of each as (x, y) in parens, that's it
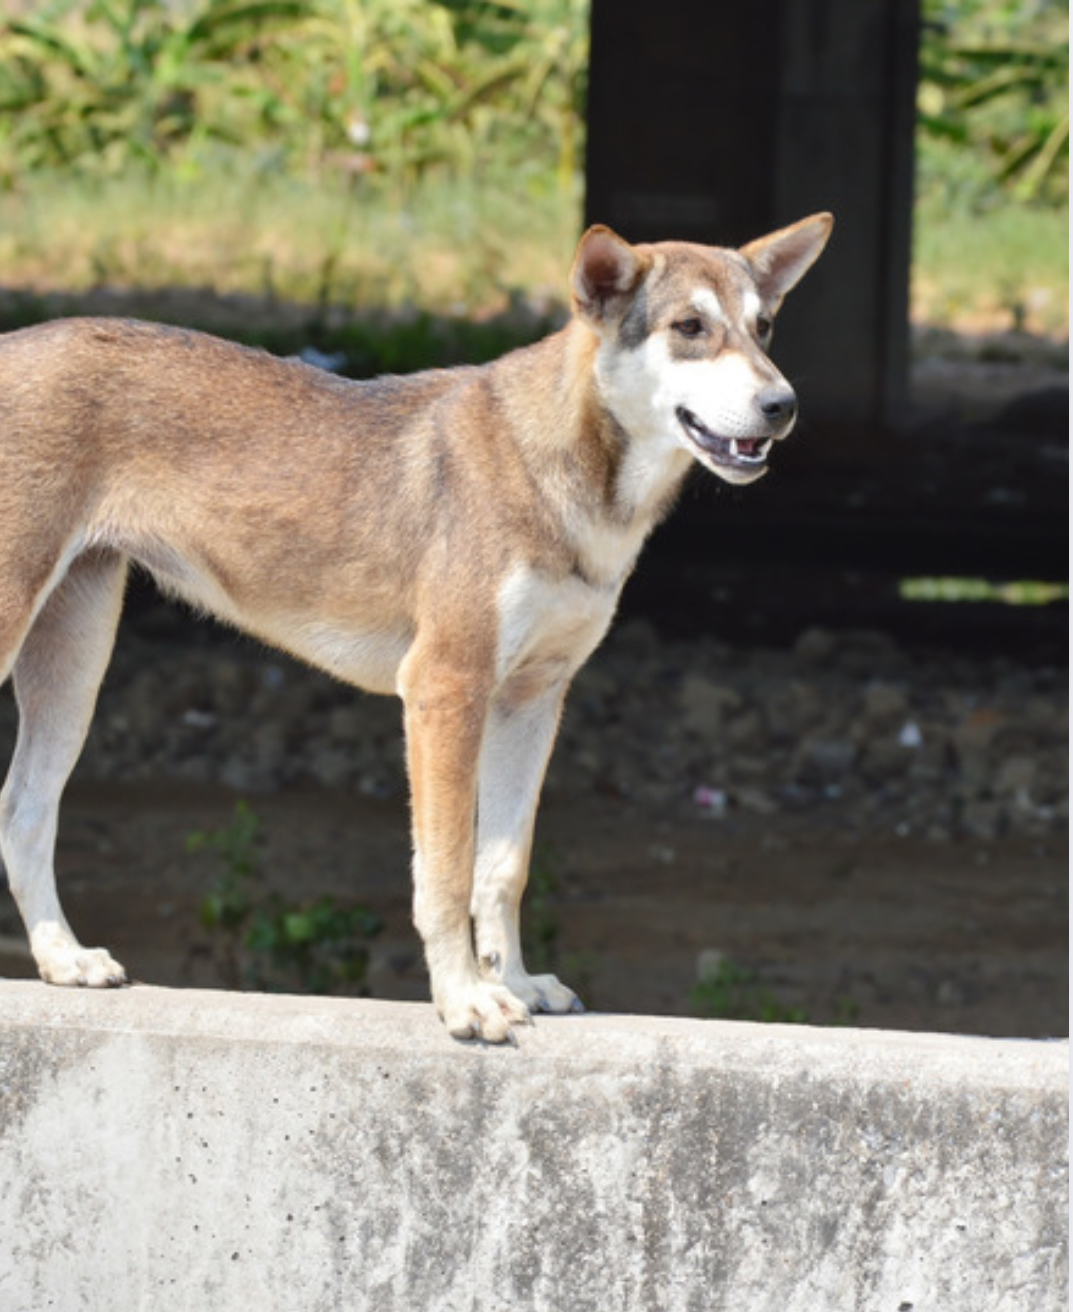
(819, 771)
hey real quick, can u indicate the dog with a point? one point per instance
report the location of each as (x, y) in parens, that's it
(457, 537)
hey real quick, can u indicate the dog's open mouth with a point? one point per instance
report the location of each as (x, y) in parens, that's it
(746, 453)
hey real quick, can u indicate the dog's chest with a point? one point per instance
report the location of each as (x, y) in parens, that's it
(547, 627)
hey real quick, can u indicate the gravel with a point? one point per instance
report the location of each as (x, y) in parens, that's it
(844, 728)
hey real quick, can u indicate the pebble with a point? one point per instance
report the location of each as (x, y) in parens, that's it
(844, 727)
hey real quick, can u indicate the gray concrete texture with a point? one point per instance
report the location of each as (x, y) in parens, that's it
(187, 1150)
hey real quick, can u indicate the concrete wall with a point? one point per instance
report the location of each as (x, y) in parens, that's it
(204, 1151)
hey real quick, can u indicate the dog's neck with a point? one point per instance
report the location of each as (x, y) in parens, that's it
(611, 486)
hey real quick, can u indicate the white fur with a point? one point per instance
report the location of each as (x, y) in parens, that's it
(82, 602)
(645, 387)
(720, 392)
(751, 306)
(549, 625)
(371, 660)
(706, 302)
(514, 755)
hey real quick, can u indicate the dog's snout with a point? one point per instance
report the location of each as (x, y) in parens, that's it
(778, 405)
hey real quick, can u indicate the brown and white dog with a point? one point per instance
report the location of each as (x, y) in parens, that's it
(458, 537)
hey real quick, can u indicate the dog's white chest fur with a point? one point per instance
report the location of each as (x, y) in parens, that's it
(547, 626)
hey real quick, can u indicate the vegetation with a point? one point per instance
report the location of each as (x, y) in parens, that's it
(1023, 592)
(427, 153)
(993, 163)
(730, 991)
(994, 101)
(394, 88)
(540, 930)
(266, 943)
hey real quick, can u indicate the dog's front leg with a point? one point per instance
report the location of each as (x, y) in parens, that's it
(517, 743)
(445, 710)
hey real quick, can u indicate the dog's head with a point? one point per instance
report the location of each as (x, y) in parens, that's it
(684, 332)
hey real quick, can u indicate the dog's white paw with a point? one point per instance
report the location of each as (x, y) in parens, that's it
(483, 1010)
(544, 993)
(79, 967)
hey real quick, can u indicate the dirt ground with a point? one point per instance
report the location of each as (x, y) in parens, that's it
(966, 937)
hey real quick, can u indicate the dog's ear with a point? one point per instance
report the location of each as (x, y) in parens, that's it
(606, 269)
(781, 259)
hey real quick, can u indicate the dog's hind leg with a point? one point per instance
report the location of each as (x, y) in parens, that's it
(57, 674)
(517, 743)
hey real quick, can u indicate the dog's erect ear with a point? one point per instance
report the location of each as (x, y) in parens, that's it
(606, 269)
(781, 259)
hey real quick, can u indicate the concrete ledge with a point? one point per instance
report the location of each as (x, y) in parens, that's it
(182, 1150)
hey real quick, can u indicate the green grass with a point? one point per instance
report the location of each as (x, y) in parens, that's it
(1023, 592)
(447, 246)
(1006, 267)
(444, 247)
(396, 153)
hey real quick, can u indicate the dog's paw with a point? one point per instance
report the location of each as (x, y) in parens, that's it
(484, 1011)
(79, 967)
(545, 993)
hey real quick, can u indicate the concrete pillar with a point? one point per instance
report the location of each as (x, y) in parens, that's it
(715, 123)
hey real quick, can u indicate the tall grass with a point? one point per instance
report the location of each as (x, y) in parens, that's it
(992, 215)
(994, 269)
(399, 88)
(363, 152)
(428, 152)
(444, 245)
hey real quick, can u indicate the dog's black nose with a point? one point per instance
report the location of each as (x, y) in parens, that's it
(778, 405)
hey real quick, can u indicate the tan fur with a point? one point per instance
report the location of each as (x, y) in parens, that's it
(458, 537)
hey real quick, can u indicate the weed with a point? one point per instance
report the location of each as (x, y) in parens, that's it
(395, 153)
(541, 939)
(729, 991)
(995, 86)
(266, 943)
(386, 88)
(540, 924)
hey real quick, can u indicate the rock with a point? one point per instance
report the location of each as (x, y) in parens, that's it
(705, 705)
(756, 800)
(976, 731)
(239, 775)
(746, 731)
(884, 760)
(710, 963)
(843, 725)
(346, 723)
(332, 767)
(824, 760)
(815, 646)
(790, 708)
(1015, 776)
(981, 820)
(267, 744)
(884, 706)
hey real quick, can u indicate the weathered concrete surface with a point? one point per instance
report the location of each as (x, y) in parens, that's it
(184, 1150)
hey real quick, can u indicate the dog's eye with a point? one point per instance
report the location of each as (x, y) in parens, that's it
(689, 327)
(763, 327)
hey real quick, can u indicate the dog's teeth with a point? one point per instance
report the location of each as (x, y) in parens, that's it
(734, 446)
